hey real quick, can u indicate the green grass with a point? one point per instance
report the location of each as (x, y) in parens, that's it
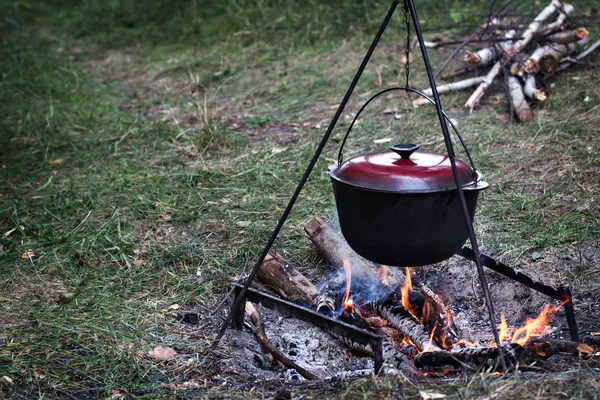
(141, 148)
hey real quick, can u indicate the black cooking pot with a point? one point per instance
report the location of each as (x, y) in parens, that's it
(401, 207)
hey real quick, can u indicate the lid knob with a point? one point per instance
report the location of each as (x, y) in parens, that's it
(405, 149)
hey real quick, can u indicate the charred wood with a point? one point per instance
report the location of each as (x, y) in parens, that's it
(472, 357)
(259, 331)
(401, 319)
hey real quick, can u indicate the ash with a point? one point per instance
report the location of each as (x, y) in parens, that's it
(306, 345)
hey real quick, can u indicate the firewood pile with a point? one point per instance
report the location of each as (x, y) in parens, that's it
(549, 44)
(417, 325)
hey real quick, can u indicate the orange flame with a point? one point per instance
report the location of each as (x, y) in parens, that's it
(346, 299)
(503, 328)
(428, 347)
(405, 290)
(383, 272)
(535, 327)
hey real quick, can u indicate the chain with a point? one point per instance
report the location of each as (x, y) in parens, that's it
(406, 12)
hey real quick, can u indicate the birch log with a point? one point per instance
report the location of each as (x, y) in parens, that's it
(486, 56)
(545, 59)
(530, 89)
(535, 25)
(557, 25)
(517, 48)
(518, 101)
(449, 87)
(569, 36)
(518, 69)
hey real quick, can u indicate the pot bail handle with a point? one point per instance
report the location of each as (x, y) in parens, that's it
(415, 91)
(404, 150)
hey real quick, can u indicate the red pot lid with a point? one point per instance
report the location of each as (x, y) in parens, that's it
(403, 169)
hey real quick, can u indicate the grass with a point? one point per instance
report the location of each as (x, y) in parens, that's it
(142, 147)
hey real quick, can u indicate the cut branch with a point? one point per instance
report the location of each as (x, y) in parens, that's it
(486, 56)
(518, 101)
(545, 59)
(556, 25)
(530, 89)
(509, 55)
(450, 87)
(259, 331)
(290, 284)
(567, 62)
(569, 36)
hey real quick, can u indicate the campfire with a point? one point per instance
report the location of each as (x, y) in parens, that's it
(396, 319)
(416, 326)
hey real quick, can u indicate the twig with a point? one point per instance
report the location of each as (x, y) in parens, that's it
(264, 341)
(482, 29)
(567, 62)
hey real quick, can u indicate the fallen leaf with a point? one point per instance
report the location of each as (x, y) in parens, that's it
(8, 379)
(164, 217)
(162, 353)
(56, 161)
(200, 280)
(28, 254)
(137, 263)
(115, 394)
(431, 395)
(584, 348)
(174, 307)
(243, 224)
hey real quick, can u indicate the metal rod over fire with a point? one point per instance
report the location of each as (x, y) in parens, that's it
(488, 300)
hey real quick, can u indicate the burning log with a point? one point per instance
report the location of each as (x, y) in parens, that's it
(290, 284)
(259, 331)
(405, 322)
(338, 252)
(470, 356)
(546, 348)
(518, 101)
(335, 249)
